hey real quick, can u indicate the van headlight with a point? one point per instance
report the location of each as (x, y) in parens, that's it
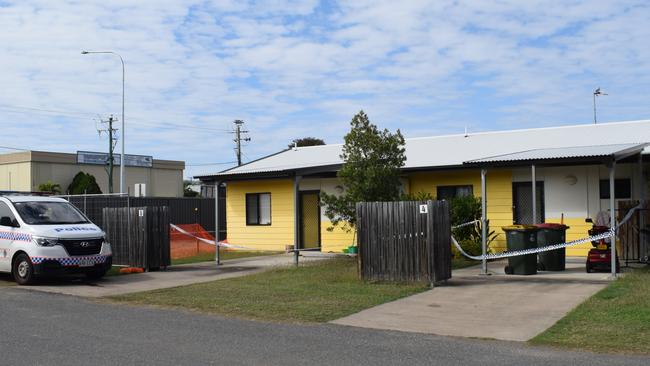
(44, 241)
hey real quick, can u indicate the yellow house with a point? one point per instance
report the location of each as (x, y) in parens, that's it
(273, 203)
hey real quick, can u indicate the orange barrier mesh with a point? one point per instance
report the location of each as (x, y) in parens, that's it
(183, 245)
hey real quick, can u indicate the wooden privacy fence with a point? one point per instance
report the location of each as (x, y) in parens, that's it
(634, 235)
(404, 241)
(139, 236)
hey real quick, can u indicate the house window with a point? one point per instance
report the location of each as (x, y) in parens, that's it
(450, 192)
(258, 209)
(622, 188)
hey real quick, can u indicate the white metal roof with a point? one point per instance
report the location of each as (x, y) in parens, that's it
(454, 150)
(616, 150)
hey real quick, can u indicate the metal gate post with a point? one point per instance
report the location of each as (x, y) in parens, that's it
(296, 219)
(483, 221)
(612, 216)
(641, 213)
(217, 257)
(534, 179)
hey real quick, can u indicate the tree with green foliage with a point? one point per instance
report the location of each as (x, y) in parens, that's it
(187, 189)
(84, 183)
(50, 187)
(371, 170)
(306, 141)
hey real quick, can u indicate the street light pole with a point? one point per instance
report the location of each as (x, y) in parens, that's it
(122, 156)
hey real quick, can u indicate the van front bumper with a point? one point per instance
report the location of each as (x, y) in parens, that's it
(54, 266)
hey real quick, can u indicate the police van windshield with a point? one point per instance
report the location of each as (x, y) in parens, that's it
(49, 213)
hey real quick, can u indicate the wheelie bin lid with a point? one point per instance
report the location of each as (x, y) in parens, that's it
(552, 226)
(519, 228)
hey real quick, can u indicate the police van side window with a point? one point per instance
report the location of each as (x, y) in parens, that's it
(7, 217)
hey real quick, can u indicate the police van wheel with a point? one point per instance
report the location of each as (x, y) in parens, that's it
(23, 270)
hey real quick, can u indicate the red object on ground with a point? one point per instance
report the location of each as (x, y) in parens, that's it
(183, 245)
(600, 257)
(131, 270)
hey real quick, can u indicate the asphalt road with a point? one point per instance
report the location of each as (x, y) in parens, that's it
(49, 329)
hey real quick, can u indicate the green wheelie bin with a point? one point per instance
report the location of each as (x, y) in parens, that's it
(519, 237)
(549, 234)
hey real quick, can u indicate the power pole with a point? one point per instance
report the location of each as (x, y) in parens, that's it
(238, 139)
(111, 147)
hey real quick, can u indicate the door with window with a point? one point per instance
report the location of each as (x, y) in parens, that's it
(8, 226)
(522, 200)
(309, 219)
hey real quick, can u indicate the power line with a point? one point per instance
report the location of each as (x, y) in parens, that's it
(76, 115)
(13, 148)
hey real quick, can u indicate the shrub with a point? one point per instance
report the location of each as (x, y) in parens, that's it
(50, 187)
(84, 183)
(419, 196)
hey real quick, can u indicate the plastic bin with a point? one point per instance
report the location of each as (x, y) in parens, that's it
(549, 234)
(519, 237)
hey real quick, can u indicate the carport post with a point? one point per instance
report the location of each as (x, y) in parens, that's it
(216, 223)
(483, 221)
(296, 218)
(612, 216)
(534, 179)
(641, 185)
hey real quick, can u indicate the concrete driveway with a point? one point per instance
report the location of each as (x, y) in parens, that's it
(498, 306)
(174, 276)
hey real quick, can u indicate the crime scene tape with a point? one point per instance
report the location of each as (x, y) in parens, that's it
(609, 234)
(207, 241)
(228, 245)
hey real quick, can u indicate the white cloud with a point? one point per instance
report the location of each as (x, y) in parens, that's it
(292, 68)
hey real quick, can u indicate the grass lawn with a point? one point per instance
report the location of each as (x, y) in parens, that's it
(316, 292)
(207, 257)
(616, 319)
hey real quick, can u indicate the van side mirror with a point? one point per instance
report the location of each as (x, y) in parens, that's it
(6, 221)
(589, 220)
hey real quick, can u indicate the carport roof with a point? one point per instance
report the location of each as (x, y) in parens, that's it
(575, 154)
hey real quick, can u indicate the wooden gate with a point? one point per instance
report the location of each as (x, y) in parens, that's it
(139, 236)
(634, 235)
(404, 241)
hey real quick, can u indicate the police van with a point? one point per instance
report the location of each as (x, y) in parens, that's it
(42, 236)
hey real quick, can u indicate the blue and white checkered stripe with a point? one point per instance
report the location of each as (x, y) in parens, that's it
(71, 261)
(10, 235)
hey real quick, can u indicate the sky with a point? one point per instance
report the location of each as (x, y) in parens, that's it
(292, 69)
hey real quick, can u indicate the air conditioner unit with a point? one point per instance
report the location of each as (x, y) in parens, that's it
(140, 190)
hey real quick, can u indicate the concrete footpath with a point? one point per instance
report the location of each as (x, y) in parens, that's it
(514, 308)
(179, 275)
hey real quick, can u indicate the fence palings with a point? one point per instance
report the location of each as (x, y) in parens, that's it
(139, 236)
(399, 243)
